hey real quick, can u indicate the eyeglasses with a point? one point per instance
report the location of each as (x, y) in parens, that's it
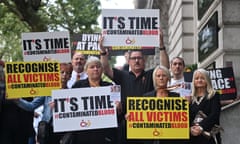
(135, 58)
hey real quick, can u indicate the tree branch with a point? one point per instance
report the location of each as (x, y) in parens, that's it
(12, 8)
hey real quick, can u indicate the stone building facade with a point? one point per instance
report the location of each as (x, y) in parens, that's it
(183, 30)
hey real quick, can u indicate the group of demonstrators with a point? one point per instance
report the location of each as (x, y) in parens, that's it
(158, 82)
(86, 75)
(137, 82)
(165, 80)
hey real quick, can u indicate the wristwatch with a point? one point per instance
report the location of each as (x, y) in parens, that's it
(162, 48)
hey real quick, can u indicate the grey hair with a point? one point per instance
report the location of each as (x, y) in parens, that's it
(210, 90)
(161, 68)
(92, 59)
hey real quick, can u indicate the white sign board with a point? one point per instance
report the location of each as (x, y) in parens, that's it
(45, 46)
(85, 108)
(131, 27)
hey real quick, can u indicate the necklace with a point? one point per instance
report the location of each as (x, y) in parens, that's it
(199, 99)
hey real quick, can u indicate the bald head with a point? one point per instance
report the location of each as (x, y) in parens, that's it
(78, 62)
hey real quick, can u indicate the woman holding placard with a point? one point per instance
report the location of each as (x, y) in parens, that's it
(94, 70)
(161, 77)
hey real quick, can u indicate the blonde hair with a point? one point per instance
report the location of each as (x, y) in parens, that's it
(155, 71)
(210, 90)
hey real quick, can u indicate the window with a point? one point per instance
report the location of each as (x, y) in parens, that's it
(203, 6)
(208, 38)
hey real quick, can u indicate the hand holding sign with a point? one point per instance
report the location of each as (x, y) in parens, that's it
(103, 50)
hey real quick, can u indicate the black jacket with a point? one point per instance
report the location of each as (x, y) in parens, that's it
(212, 108)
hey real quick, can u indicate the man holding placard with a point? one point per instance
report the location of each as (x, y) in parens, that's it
(133, 83)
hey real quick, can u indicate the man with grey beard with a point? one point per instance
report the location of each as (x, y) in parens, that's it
(78, 62)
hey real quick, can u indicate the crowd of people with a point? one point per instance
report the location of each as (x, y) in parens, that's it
(163, 80)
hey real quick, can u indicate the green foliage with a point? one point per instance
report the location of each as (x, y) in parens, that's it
(74, 16)
(10, 40)
(191, 68)
(18, 16)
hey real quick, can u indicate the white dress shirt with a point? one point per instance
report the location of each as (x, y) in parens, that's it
(73, 78)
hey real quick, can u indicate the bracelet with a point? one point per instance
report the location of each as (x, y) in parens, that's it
(103, 53)
(163, 48)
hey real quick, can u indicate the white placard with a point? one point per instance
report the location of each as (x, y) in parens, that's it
(85, 108)
(46, 46)
(131, 27)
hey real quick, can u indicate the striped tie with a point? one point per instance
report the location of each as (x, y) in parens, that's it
(78, 76)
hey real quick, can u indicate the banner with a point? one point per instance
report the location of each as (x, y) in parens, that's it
(87, 44)
(46, 46)
(131, 29)
(157, 118)
(85, 108)
(30, 79)
(222, 80)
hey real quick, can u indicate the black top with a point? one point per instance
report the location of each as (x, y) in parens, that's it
(125, 67)
(85, 83)
(132, 85)
(154, 93)
(15, 123)
(210, 107)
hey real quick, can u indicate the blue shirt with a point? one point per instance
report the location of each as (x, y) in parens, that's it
(37, 102)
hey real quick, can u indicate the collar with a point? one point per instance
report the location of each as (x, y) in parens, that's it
(73, 78)
(83, 75)
(141, 74)
(174, 81)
